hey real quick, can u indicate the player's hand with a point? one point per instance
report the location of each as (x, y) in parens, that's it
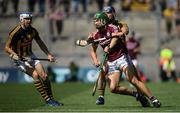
(90, 38)
(96, 63)
(51, 58)
(106, 49)
(14, 57)
(91, 35)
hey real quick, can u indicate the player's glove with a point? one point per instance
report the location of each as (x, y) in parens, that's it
(14, 57)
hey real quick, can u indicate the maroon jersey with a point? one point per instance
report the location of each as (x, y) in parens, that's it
(132, 44)
(118, 50)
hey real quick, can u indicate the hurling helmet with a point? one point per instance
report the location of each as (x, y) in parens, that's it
(103, 19)
(24, 15)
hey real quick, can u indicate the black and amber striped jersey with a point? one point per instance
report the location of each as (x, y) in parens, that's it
(120, 24)
(20, 40)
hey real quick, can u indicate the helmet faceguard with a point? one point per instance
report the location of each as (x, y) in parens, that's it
(102, 18)
(25, 15)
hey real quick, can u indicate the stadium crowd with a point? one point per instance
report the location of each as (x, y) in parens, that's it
(72, 6)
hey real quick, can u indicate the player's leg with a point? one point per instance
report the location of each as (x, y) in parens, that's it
(135, 65)
(113, 80)
(116, 66)
(115, 88)
(46, 82)
(144, 101)
(28, 69)
(124, 62)
(101, 86)
(47, 87)
(101, 89)
(114, 75)
(40, 86)
(131, 75)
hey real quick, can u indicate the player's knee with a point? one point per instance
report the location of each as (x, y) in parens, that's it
(112, 89)
(133, 80)
(35, 75)
(44, 76)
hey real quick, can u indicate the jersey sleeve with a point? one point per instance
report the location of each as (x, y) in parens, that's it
(12, 35)
(96, 36)
(35, 34)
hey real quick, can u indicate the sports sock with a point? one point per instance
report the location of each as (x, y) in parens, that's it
(39, 86)
(101, 92)
(47, 87)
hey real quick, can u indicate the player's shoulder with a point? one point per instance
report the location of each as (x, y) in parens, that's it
(15, 30)
(122, 23)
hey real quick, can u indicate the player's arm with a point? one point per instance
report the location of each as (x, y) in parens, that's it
(113, 42)
(124, 30)
(137, 50)
(8, 48)
(44, 48)
(93, 54)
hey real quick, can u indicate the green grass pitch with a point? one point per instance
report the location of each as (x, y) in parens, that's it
(77, 98)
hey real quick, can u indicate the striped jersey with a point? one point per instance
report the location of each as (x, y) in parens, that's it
(20, 40)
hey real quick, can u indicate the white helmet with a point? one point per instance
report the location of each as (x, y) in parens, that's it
(25, 15)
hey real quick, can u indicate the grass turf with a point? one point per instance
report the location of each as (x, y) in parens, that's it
(77, 98)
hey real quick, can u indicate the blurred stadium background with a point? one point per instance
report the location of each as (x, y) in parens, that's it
(145, 19)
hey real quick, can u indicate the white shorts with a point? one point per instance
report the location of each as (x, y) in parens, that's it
(22, 65)
(118, 64)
